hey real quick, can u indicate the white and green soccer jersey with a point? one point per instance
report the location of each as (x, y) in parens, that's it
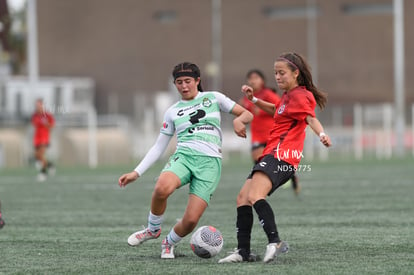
(197, 123)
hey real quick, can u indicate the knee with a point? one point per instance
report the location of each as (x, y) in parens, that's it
(252, 199)
(242, 198)
(162, 189)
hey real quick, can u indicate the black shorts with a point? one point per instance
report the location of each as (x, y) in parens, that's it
(278, 171)
(258, 145)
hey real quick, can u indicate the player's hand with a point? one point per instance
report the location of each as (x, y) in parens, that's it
(127, 178)
(239, 128)
(326, 140)
(247, 91)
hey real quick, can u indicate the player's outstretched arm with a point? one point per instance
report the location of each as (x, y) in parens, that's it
(268, 107)
(150, 158)
(243, 117)
(317, 127)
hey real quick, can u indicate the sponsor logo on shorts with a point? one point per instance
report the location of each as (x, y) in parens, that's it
(263, 164)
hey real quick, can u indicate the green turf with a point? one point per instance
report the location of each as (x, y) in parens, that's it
(351, 218)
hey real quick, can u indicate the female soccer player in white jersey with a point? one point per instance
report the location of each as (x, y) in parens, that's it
(197, 160)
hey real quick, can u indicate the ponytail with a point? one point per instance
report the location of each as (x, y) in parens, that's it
(199, 86)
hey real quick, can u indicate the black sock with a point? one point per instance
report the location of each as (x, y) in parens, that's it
(267, 220)
(244, 228)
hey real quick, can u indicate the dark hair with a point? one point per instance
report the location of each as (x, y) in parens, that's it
(187, 69)
(297, 62)
(258, 72)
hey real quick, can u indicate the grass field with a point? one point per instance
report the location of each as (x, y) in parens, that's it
(351, 218)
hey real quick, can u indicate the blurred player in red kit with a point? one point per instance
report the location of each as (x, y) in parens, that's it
(262, 122)
(43, 122)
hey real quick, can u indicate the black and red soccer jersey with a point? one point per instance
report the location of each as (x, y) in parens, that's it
(288, 133)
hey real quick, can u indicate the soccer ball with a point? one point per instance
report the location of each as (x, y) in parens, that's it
(206, 242)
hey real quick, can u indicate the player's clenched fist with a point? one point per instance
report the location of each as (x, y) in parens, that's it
(239, 128)
(127, 178)
(326, 140)
(248, 91)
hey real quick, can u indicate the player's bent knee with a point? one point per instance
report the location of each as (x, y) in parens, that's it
(252, 199)
(166, 185)
(163, 189)
(242, 199)
(161, 193)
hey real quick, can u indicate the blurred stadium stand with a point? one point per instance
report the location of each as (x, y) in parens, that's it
(130, 47)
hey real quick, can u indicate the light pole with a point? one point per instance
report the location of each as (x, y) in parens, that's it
(312, 37)
(399, 76)
(215, 66)
(32, 46)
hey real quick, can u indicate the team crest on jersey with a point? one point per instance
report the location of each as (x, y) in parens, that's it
(206, 102)
(281, 109)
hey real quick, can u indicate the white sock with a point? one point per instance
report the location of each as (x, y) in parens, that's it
(154, 222)
(173, 238)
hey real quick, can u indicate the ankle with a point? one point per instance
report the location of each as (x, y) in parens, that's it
(245, 253)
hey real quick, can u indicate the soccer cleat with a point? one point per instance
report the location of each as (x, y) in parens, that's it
(253, 258)
(235, 257)
(141, 236)
(275, 249)
(167, 250)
